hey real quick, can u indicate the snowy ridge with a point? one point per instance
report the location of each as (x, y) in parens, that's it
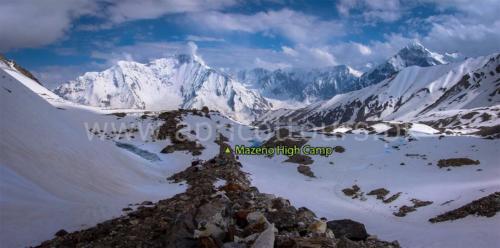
(181, 81)
(414, 91)
(49, 169)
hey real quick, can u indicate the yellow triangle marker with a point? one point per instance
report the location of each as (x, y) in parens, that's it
(228, 150)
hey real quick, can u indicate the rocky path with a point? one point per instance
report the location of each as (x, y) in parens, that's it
(234, 214)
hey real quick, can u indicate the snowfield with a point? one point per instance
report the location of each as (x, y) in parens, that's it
(372, 163)
(57, 173)
(52, 177)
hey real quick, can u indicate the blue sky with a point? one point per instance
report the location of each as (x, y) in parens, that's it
(60, 39)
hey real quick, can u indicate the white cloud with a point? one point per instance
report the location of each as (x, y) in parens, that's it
(289, 51)
(371, 10)
(470, 39)
(28, 23)
(364, 50)
(25, 23)
(295, 26)
(127, 10)
(270, 65)
(53, 76)
(203, 38)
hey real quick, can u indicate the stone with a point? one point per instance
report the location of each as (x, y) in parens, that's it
(305, 170)
(348, 228)
(61, 233)
(265, 239)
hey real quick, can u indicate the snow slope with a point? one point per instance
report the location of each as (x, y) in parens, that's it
(181, 81)
(372, 162)
(52, 176)
(413, 92)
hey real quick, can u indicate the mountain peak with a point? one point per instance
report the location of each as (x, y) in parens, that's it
(416, 54)
(415, 45)
(413, 54)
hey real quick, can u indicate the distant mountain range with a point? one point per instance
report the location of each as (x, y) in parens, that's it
(432, 94)
(407, 80)
(309, 86)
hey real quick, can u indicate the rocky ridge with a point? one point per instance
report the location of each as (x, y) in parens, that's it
(233, 214)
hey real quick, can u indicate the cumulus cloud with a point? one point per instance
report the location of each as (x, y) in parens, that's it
(296, 26)
(289, 51)
(372, 10)
(25, 23)
(127, 10)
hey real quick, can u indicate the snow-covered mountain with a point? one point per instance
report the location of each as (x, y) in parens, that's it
(410, 55)
(413, 92)
(304, 86)
(300, 85)
(181, 81)
(54, 177)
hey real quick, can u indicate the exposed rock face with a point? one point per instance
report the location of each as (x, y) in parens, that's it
(486, 206)
(456, 162)
(19, 68)
(233, 215)
(405, 209)
(306, 170)
(348, 228)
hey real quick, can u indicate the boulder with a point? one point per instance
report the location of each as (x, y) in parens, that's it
(348, 228)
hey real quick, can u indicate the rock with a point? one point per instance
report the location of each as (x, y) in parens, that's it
(232, 187)
(205, 110)
(233, 245)
(380, 193)
(318, 226)
(407, 209)
(256, 217)
(354, 192)
(348, 228)
(486, 206)
(61, 233)
(306, 170)
(265, 239)
(207, 242)
(209, 230)
(392, 198)
(339, 149)
(279, 203)
(403, 210)
(241, 218)
(456, 162)
(147, 203)
(305, 215)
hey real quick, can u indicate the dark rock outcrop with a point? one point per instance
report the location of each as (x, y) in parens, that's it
(348, 228)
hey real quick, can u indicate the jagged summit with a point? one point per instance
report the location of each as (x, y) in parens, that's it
(414, 54)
